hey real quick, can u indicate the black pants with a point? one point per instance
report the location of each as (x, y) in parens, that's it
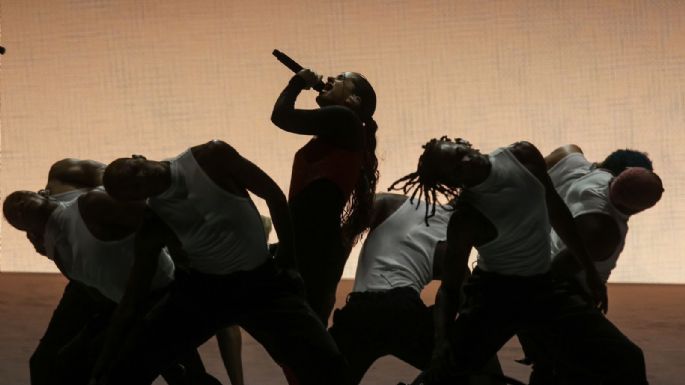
(553, 360)
(394, 322)
(375, 324)
(67, 352)
(264, 302)
(78, 307)
(497, 307)
(321, 253)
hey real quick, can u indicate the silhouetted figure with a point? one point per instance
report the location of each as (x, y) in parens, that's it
(601, 198)
(384, 314)
(504, 205)
(90, 238)
(201, 198)
(67, 179)
(333, 177)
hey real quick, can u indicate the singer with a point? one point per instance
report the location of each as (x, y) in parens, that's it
(333, 176)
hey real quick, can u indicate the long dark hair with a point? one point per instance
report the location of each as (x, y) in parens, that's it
(356, 216)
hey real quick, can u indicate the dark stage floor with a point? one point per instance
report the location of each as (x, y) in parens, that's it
(651, 315)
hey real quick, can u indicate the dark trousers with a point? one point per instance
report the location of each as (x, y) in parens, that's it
(78, 307)
(559, 352)
(498, 306)
(394, 322)
(375, 324)
(321, 253)
(265, 302)
(67, 352)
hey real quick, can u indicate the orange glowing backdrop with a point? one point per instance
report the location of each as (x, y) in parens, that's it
(102, 79)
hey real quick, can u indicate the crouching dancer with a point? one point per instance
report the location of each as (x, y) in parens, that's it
(384, 314)
(201, 197)
(91, 240)
(505, 203)
(67, 179)
(601, 200)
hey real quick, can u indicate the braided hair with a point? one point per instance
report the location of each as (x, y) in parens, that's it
(356, 216)
(426, 180)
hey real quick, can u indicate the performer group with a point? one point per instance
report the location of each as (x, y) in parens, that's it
(161, 255)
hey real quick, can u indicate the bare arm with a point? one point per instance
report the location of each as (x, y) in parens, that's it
(560, 153)
(248, 175)
(330, 121)
(438, 258)
(600, 236)
(150, 239)
(460, 240)
(561, 219)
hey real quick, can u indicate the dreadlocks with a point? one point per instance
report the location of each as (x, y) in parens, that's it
(426, 181)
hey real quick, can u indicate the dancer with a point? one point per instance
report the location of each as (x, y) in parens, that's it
(91, 242)
(601, 198)
(384, 314)
(67, 179)
(93, 247)
(504, 208)
(333, 177)
(202, 198)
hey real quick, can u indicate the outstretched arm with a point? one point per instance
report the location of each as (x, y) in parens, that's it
(561, 218)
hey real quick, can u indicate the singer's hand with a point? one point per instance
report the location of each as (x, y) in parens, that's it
(310, 77)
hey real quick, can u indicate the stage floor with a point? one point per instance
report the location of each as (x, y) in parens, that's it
(653, 316)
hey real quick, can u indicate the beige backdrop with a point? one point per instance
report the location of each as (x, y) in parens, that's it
(101, 79)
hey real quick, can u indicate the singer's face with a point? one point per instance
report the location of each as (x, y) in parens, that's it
(337, 90)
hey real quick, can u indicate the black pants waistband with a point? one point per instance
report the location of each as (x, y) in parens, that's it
(371, 295)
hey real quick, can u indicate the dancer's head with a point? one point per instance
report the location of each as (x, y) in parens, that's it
(619, 160)
(446, 166)
(26, 210)
(136, 178)
(635, 189)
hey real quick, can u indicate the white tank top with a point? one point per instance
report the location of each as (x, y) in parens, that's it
(399, 251)
(103, 265)
(513, 200)
(586, 190)
(69, 195)
(221, 232)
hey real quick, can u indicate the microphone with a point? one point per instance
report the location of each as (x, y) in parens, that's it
(294, 66)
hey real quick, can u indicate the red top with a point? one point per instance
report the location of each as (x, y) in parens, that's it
(319, 159)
